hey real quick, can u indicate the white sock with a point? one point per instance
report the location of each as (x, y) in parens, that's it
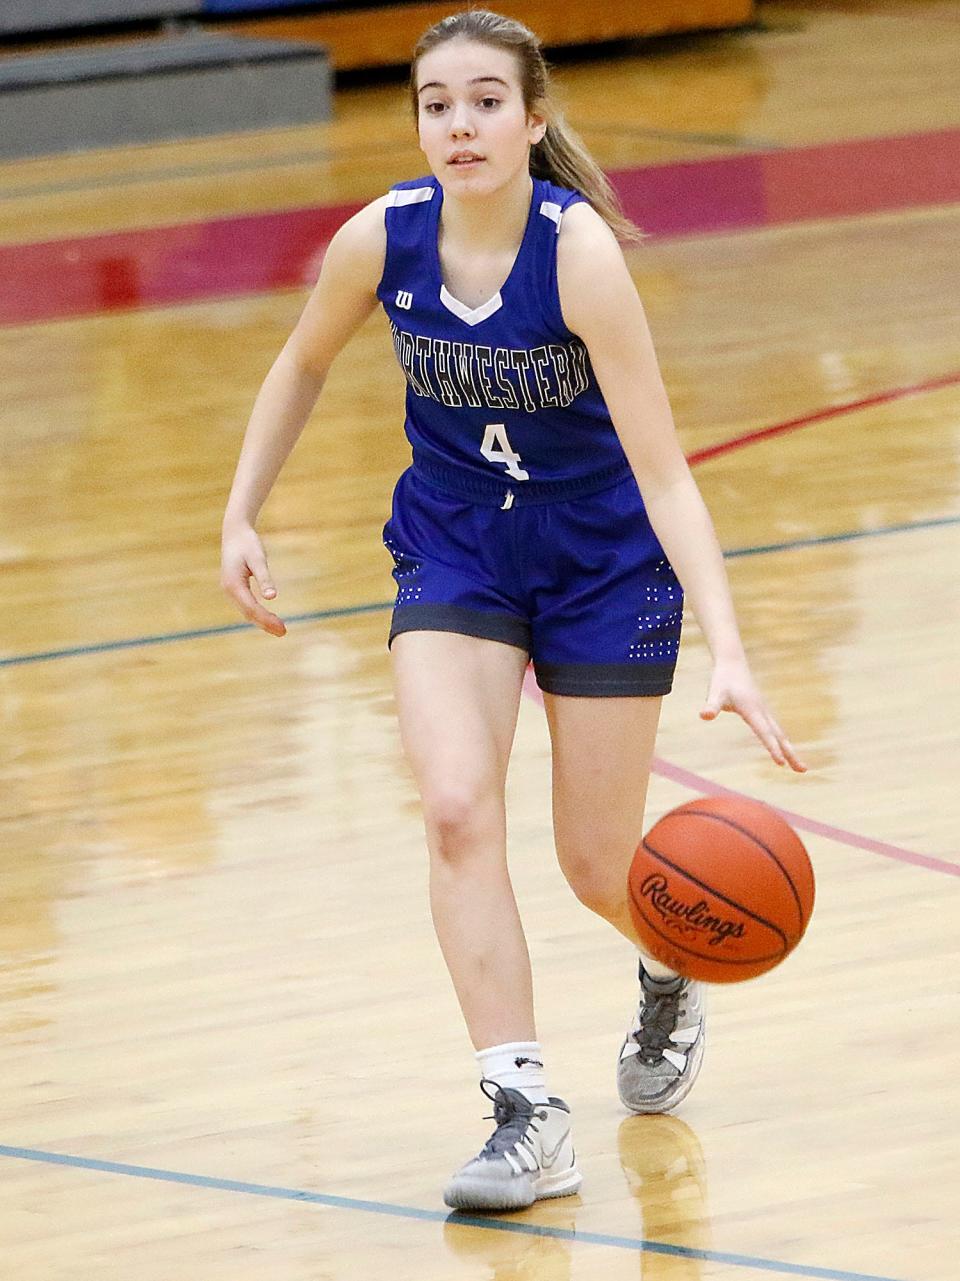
(659, 973)
(517, 1065)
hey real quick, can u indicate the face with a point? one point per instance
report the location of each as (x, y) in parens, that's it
(474, 129)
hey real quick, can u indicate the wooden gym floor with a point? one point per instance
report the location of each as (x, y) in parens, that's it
(228, 1047)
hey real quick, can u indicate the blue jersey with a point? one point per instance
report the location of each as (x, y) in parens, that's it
(503, 393)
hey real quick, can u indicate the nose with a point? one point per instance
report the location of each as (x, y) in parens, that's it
(460, 121)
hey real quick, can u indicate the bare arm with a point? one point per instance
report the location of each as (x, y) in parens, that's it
(344, 296)
(611, 321)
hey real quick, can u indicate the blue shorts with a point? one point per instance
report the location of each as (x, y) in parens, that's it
(580, 584)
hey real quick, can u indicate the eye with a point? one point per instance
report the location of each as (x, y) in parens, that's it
(489, 102)
(433, 108)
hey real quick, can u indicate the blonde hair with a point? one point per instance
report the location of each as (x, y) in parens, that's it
(560, 156)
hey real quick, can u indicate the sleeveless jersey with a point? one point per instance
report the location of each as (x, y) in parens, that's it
(502, 395)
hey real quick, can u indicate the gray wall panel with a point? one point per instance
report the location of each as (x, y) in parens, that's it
(37, 15)
(189, 104)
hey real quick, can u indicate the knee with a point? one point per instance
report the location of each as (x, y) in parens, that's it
(595, 879)
(460, 818)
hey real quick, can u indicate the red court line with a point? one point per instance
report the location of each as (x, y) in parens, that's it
(705, 786)
(220, 257)
(677, 774)
(253, 253)
(819, 416)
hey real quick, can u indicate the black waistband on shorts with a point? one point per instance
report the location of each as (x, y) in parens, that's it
(494, 490)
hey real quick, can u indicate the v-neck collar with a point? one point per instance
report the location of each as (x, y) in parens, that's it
(474, 315)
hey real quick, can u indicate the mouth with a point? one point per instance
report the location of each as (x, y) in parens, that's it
(465, 160)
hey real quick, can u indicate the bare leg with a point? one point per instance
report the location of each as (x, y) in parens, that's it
(602, 752)
(457, 701)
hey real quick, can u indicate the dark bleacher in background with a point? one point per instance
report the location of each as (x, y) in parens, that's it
(556, 21)
(22, 16)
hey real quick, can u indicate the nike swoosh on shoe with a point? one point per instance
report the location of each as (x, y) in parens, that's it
(550, 1158)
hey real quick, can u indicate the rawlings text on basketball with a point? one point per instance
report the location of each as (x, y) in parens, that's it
(688, 916)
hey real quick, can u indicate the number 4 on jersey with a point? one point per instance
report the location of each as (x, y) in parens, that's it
(497, 449)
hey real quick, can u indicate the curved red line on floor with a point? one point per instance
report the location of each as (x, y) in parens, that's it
(705, 786)
(819, 416)
(687, 778)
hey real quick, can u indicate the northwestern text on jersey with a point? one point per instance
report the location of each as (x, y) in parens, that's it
(463, 373)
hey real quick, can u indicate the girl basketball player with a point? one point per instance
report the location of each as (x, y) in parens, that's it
(537, 418)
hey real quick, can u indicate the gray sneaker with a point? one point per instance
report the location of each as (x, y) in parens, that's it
(661, 1056)
(528, 1157)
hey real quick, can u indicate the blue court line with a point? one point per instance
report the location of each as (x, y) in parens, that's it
(437, 1216)
(322, 615)
(134, 642)
(850, 536)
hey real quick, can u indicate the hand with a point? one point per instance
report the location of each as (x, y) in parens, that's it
(243, 558)
(732, 689)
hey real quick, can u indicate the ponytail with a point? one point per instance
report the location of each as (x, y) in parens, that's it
(563, 159)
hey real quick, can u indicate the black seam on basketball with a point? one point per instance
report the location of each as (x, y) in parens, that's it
(722, 818)
(708, 889)
(745, 831)
(701, 956)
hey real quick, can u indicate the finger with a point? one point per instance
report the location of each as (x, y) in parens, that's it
(793, 760)
(772, 744)
(765, 729)
(787, 750)
(253, 611)
(713, 705)
(270, 622)
(264, 579)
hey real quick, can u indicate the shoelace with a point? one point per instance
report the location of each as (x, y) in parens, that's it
(659, 1016)
(514, 1116)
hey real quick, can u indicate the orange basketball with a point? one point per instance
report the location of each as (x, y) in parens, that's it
(721, 889)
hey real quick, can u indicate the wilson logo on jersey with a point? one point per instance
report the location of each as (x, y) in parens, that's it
(404, 299)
